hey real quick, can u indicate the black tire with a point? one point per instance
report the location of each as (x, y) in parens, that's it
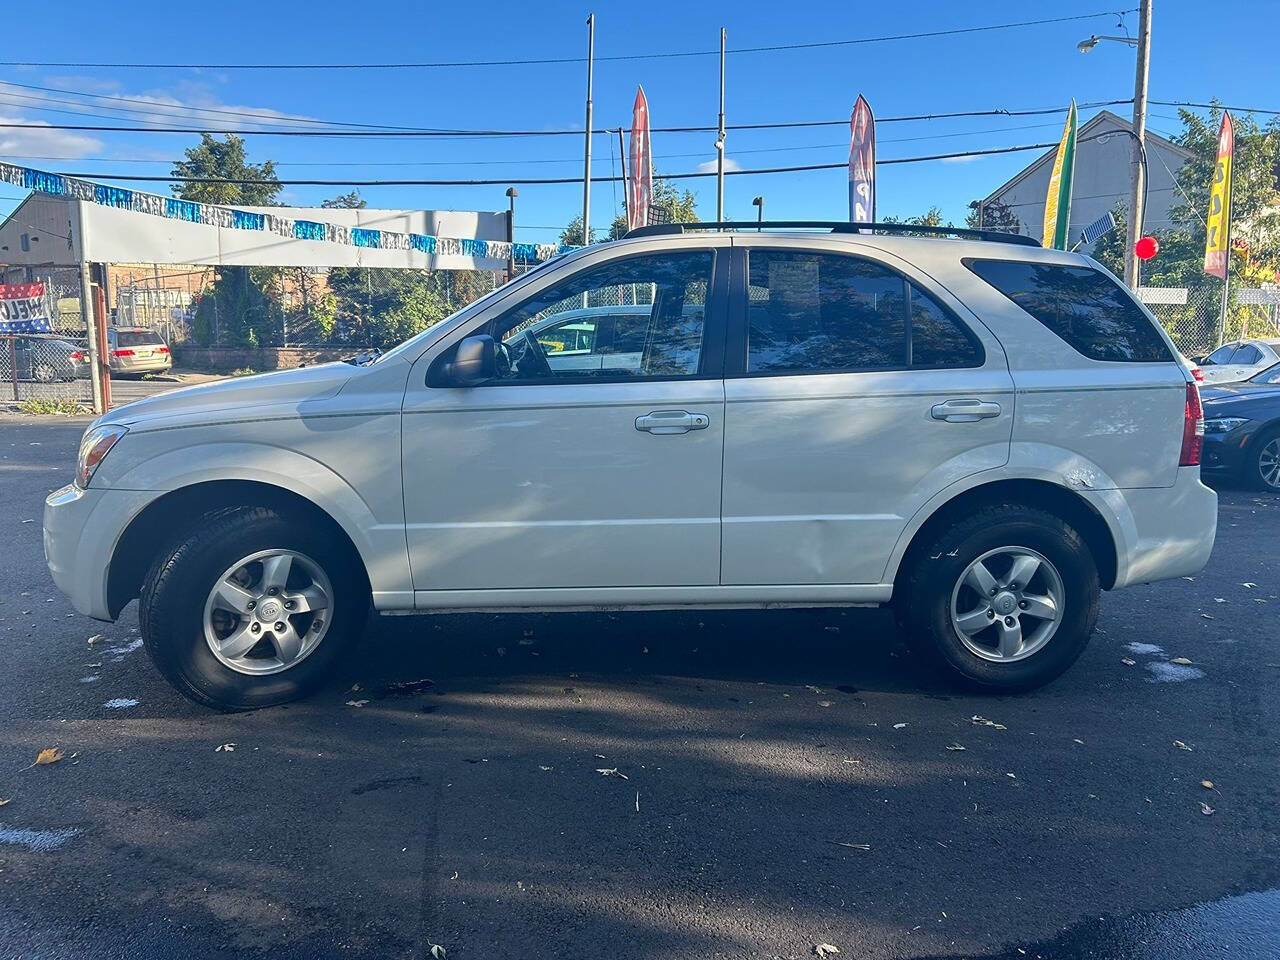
(172, 599)
(923, 604)
(1253, 467)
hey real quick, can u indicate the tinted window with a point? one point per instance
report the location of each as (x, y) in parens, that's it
(1083, 306)
(1247, 354)
(662, 339)
(1222, 354)
(809, 312)
(138, 338)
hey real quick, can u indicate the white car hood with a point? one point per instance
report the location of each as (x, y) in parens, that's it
(289, 387)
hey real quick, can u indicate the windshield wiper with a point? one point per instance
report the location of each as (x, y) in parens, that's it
(363, 359)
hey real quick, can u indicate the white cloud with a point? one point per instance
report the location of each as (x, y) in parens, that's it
(710, 165)
(42, 140)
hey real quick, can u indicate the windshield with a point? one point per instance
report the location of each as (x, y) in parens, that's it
(494, 294)
(138, 338)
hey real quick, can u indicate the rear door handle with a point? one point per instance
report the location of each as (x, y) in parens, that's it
(964, 411)
(665, 422)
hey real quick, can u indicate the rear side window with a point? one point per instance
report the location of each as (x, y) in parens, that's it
(138, 338)
(1247, 354)
(1083, 306)
(822, 313)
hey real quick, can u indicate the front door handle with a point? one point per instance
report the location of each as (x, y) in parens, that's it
(664, 422)
(964, 411)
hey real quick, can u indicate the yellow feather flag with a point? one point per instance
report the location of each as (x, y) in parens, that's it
(1057, 202)
(1218, 234)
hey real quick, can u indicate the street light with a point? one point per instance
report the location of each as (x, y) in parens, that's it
(758, 203)
(512, 193)
(1084, 46)
(1138, 175)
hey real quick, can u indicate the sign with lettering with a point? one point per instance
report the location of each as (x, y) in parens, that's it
(23, 308)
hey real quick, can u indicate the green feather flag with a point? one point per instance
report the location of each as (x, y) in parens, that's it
(1057, 204)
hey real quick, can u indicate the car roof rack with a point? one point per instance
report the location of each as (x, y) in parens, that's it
(834, 226)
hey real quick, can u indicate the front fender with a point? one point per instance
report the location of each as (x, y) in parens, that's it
(374, 522)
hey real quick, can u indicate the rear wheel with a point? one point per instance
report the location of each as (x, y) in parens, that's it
(251, 608)
(43, 372)
(1004, 599)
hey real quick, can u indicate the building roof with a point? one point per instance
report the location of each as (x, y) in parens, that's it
(1102, 117)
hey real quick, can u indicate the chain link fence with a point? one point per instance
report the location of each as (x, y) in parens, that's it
(1192, 314)
(47, 367)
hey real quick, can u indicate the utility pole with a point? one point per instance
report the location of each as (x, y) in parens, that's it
(586, 167)
(720, 138)
(95, 331)
(1138, 173)
(512, 193)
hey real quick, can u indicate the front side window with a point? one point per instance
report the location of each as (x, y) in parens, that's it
(1221, 355)
(820, 313)
(640, 317)
(1084, 307)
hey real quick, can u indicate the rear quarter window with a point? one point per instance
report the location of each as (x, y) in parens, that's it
(1083, 306)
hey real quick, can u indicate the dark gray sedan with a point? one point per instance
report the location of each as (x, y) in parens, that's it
(1242, 429)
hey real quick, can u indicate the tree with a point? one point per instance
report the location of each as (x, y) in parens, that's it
(224, 160)
(383, 307)
(995, 215)
(676, 206)
(244, 305)
(345, 201)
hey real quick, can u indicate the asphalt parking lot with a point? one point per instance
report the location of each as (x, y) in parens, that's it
(717, 784)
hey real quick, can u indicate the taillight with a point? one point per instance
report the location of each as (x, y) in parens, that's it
(160, 350)
(1197, 374)
(122, 353)
(1192, 429)
(77, 355)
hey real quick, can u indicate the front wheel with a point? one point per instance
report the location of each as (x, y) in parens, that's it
(252, 608)
(1005, 599)
(1266, 463)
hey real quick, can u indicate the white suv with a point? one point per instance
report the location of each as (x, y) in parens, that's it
(982, 432)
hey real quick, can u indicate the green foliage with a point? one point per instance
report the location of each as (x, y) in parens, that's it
(225, 159)
(994, 216)
(1109, 250)
(381, 308)
(51, 406)
(678, 206)
(345, 201)
(241, 308)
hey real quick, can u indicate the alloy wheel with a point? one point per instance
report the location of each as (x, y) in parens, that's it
(1269, 463)
(1007, 604)
(268, 612)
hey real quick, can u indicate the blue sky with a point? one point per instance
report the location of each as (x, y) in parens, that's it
(1193, 58)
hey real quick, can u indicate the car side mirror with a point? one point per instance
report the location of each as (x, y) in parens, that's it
(474, 361)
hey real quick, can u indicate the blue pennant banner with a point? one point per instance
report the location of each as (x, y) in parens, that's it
(57, 185)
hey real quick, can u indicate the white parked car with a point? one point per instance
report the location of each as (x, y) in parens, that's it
(980, 432)
(1240, 360)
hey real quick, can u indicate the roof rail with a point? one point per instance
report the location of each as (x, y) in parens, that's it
(834, 226)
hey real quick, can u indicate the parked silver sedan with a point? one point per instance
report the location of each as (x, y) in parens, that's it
(1240, 360)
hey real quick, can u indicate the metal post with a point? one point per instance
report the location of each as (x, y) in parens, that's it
(91, 331)
(586, 165)
(99, 292)
(720, 138)
(759, 203)
(1138, 173)
(13, 364)
(512, 193)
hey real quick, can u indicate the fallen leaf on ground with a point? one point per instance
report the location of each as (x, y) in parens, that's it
(96, 638)
(5, 800)
(1181, 661)
(611, 772)
(1077, 740)
(356, 703)
(1206, 809)
(225, 747)
(984, 722)
(1248, 586)
(851, 846)
(1180, 745)
(1127, 662)
(437, 952)
(1207, 616)
(1207, 784)
(954, 746)
(48, 755)
(541, 767)
(825, 950)
(1219, 599)
(824, 703)
(637, 801)
(898, 726)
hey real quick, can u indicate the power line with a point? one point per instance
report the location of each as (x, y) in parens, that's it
(540, 61)
(1218, 106)
(543, 181)
(444, 133)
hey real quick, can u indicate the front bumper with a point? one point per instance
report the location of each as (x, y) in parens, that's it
(81, 528)
(1226, 453)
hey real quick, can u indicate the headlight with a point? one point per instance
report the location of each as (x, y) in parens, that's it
(1223, 424)
(94, 446)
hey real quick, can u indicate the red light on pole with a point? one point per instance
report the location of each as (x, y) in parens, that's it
(1146, 248)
